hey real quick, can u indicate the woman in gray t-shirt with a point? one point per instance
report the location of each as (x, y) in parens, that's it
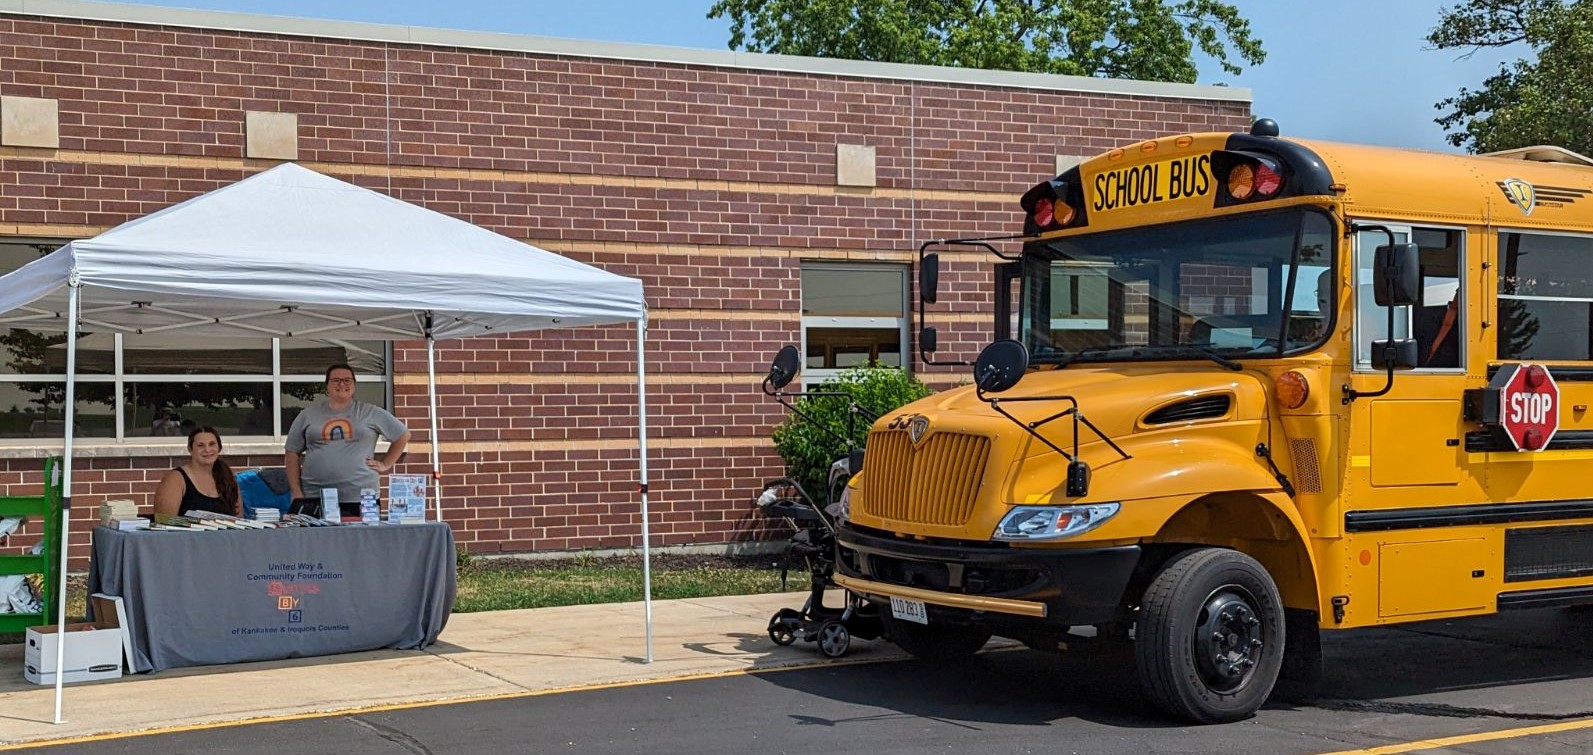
(332, 444)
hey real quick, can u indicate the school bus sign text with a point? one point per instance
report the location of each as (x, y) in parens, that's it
(1139, 185)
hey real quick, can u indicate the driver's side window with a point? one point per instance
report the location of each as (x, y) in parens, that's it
(1437, 323)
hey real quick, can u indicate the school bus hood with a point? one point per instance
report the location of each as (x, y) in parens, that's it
(1119, 401)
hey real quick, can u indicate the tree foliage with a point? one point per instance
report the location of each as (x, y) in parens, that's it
(1152, 40)
(1542, 101)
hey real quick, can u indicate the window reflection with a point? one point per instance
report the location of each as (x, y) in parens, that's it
(180, 354)
(33, 410)
(173, 409)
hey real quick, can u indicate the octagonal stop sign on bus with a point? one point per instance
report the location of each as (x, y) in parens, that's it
(1523, 402)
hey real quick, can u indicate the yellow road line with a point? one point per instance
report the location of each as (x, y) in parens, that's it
(361, 710)
(1487, 736)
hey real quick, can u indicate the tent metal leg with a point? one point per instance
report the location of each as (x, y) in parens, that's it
(72, 311)
(647, 540)
(431, 395)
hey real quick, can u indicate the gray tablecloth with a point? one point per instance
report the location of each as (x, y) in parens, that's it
(202, 598)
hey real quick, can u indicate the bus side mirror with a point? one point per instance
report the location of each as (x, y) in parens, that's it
(929, 278)
(784, 369)
(1397, 272)
(1000, 366)
(1398, 354)
(928, 339)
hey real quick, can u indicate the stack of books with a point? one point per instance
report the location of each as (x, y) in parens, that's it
(122, 514)
(267, 515)
(213, 520)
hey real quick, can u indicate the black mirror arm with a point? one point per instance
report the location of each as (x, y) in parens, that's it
(1350, 394)
(978, 243)
(781, 397)
(1032, 428)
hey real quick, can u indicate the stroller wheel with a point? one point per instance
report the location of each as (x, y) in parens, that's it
(834, 639)
(781, 627)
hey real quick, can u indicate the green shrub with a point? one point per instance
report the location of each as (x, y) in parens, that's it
(808, 450)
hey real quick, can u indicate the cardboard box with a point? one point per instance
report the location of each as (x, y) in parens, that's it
(92, 653)
(94, 650)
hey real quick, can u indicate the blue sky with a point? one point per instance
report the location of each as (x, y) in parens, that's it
(1347, 70)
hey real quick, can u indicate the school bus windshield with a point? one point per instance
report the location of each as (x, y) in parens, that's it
(1218, 288)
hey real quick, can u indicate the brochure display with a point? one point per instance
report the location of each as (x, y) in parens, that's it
(406, 498)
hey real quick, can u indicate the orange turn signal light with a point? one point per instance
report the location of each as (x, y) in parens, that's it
(1241, 182)
(1292, 389)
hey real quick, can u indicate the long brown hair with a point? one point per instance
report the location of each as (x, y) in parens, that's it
(226, 481)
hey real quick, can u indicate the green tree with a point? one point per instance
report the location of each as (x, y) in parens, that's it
(808, 448)
(1542, 101)
(1152, 40)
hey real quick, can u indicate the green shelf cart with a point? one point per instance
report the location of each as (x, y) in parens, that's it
(45, 509)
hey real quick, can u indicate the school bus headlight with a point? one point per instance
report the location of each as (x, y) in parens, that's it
(1029, 523)
(1292, 388)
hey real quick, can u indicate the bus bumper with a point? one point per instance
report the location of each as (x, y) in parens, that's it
(1057, 586)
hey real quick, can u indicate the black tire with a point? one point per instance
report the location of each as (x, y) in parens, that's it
(782, 626)
(1209, 639)
(934, 642)
(834, 639)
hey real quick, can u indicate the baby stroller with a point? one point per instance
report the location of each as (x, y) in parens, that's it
(814, 543)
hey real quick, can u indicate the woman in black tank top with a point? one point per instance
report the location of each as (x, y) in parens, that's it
(203, 483)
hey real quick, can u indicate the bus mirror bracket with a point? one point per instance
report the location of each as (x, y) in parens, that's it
(1397, 272)
(999, 367)
(929, 288)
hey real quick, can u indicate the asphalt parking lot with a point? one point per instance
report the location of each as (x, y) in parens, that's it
(1515, 683)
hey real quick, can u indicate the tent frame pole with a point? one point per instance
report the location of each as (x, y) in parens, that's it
(431, 395)
(72, 311)
(647, 540)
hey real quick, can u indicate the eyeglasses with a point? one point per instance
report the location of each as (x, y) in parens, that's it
(340, 381)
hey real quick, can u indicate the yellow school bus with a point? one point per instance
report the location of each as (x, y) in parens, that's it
(1245, 388)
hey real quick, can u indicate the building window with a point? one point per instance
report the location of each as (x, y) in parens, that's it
(139, 386)
(852, 316)
(1545, 297)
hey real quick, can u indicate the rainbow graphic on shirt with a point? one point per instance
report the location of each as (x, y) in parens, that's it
(337, 429)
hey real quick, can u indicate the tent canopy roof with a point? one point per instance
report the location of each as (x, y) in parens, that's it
(290, 252)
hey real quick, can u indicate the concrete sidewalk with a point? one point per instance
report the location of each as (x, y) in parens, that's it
(478, 655)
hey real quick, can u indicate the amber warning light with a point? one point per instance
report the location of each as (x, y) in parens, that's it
(1050, 206)
(1248, 177)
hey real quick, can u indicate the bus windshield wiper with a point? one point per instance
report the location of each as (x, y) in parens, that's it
(1089, 351)
(1197, 351)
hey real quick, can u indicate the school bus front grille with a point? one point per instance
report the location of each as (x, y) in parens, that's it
(934, 483)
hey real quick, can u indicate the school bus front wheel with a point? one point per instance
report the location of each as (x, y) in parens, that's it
(1209, 638)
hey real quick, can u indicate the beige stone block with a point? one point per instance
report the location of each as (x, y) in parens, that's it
(854, 165)
(271, 136)
(1065, 163)
(30, 122)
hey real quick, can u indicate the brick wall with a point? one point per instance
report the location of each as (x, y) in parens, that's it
(712, 185)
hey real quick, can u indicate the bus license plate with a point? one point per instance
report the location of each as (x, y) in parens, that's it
(909, 610)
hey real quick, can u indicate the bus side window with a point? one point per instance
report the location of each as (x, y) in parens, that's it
(1438, 322)
(1440, 318)
(1371, 321)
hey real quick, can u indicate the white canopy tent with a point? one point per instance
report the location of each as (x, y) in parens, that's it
(291, 253)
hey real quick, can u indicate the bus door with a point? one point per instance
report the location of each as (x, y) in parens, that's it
(1416, 432)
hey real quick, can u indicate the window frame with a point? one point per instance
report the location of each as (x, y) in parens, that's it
(813, 376)
(1462, 267)
(1492, 307)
